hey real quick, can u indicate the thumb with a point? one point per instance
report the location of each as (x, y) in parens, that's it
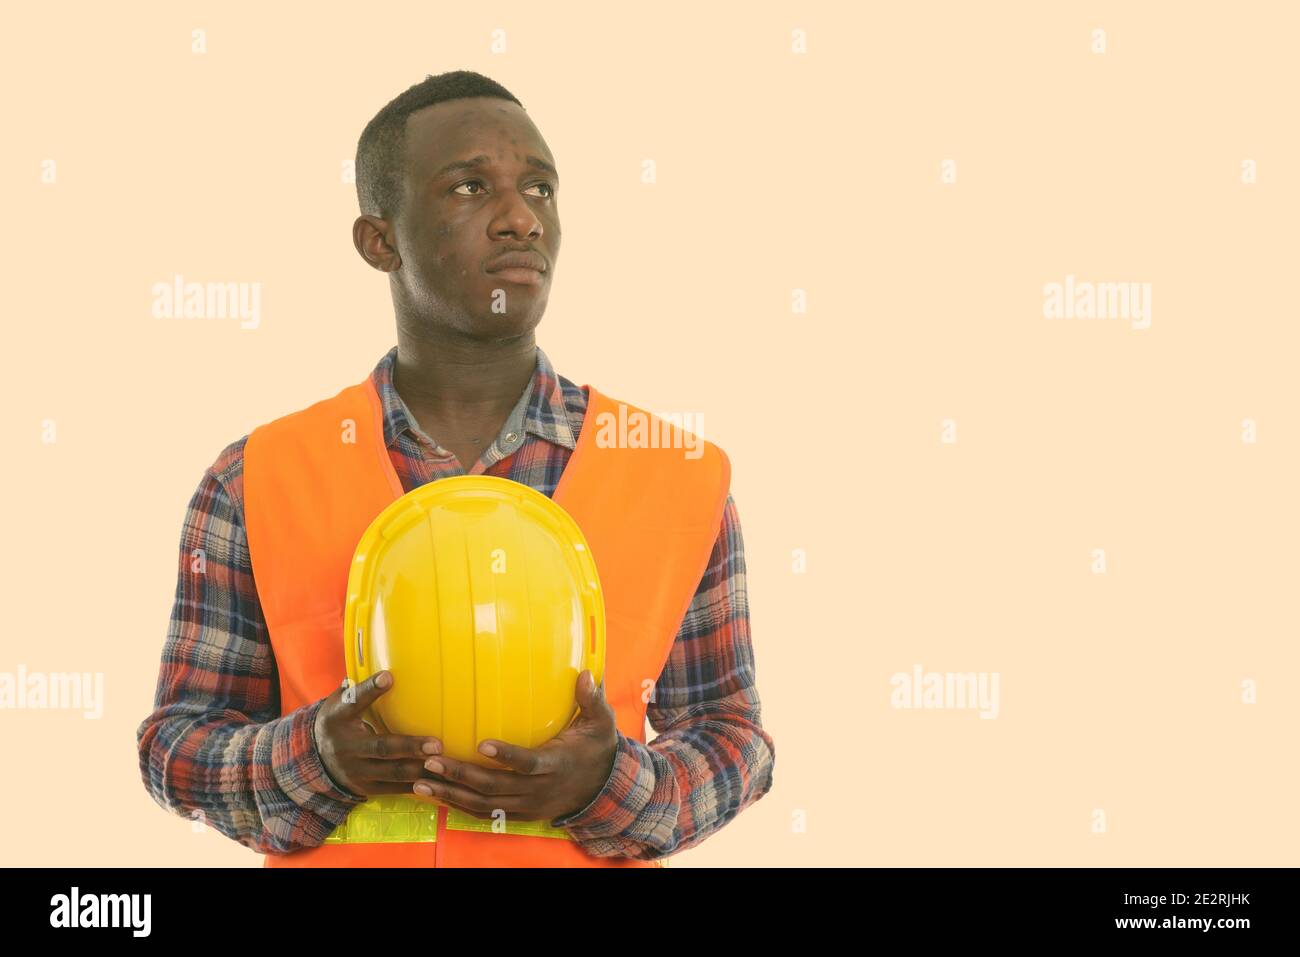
(591, 697)
(358, 697)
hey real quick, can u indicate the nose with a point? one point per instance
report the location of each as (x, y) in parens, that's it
(516, 217)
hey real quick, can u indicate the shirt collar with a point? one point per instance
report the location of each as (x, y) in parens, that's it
(540, 409)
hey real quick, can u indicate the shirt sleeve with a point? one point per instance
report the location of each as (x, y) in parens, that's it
(711, 757)
(216, 748)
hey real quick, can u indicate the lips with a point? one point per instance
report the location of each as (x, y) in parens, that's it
(522, 260)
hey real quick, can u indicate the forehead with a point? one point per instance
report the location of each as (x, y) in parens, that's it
(460, 129)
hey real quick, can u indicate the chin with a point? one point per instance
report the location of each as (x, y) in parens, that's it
(495, 326)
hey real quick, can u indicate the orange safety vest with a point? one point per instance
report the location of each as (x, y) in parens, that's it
(315, 479)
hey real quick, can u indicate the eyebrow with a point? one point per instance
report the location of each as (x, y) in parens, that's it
(482, 160)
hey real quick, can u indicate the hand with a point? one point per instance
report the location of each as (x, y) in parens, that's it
(361, 760)
(561, 777)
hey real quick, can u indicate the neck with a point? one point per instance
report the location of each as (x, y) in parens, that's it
(451, 375)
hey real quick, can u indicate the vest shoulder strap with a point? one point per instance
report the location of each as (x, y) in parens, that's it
(648, 495)
(313, 481)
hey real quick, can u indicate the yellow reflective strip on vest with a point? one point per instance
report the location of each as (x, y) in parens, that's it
(388, 819)
(405, 819)
(458, 820)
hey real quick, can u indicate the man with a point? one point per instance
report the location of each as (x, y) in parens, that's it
(252, 730)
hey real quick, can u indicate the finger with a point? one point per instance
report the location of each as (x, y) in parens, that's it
(480, 805)
(403, 772)
(523, 760)
(395, 747)
(355, 700)
(592, 705)
(386, 787)
(435, 802)
(585, 691)
(486, 781)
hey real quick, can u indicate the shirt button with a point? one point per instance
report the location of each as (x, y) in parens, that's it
(511, 436)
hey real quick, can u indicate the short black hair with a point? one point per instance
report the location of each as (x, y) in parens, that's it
(382, 148)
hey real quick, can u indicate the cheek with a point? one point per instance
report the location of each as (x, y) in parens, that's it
(444, 258)
(448, 254)
(445, 261)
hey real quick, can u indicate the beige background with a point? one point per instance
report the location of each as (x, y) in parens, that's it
(777, 171)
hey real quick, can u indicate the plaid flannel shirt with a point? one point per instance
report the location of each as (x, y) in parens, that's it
(216, 745)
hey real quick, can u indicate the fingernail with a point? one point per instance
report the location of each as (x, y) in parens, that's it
(424, 789)
(384, 679)
(488, 749)
(432, 747)
(434, 766)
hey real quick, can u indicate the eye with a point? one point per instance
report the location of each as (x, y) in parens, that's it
(472, 182)
(550, 190)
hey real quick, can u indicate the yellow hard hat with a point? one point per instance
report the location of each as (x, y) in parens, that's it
(480, 596)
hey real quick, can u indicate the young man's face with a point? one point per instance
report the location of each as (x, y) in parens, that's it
(455, 222)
